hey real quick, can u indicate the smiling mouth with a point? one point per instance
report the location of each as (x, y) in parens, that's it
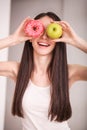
(43, 44)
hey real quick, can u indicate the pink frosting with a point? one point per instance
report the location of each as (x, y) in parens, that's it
(34, 28)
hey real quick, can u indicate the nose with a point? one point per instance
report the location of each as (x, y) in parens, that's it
(44, 36)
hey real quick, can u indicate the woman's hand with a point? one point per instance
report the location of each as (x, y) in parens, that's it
(68, 33)
(69, 36)
(20, 34)
(16, 38)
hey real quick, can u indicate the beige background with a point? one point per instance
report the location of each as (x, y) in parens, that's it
(73, 11)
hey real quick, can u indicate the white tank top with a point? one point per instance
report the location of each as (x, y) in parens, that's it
(35, 105)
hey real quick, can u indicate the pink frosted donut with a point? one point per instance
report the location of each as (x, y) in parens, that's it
(34, 28)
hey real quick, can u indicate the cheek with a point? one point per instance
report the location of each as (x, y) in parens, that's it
(34, 43)
(53, 45)
(39, 50)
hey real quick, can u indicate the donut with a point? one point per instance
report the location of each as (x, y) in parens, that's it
(34, 28)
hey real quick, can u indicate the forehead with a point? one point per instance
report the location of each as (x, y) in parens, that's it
(46, 20)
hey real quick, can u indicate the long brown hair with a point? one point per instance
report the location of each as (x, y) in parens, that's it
(60, 108)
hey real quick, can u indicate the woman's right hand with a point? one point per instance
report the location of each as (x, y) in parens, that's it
(20, 34)
(17, 37)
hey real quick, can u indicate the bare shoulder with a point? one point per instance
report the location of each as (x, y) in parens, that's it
(77, 72)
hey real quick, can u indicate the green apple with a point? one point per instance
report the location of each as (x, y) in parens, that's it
(54, 30)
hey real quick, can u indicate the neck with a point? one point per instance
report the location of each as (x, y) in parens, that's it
(41, 63)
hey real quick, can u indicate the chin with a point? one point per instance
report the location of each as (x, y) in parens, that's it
(43, 52)
(43, 48)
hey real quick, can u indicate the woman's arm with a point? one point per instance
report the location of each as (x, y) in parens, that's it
(8, 41)
(9, 69)
(80, 43)
(69, 36)
(16, 38)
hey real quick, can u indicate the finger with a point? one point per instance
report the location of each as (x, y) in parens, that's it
(24, 22)
(66, 25)
(28, 38)
(57, 40)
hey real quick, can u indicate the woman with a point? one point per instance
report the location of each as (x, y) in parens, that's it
(43, 77)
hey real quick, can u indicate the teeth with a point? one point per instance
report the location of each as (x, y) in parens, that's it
(44, 44)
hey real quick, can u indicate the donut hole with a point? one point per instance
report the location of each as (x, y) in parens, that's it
(35, 28)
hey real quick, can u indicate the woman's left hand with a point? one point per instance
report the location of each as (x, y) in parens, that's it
(69, 34)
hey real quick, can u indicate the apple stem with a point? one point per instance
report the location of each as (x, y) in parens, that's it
(54, 29)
